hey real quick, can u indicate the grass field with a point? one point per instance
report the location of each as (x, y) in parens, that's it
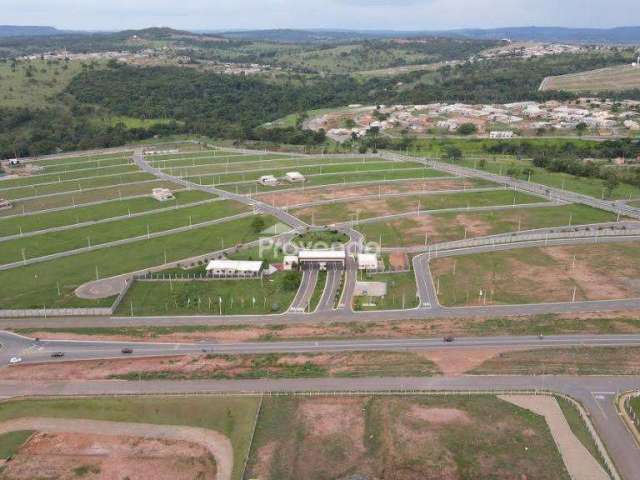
(231, 416)
(18, 88)
(72, 199)
(623, 77)
(52, 283)
(317, 292)
(427, 437)
(75, 185)
(108, 209)
(11, 442)
(239, 297)
(49, 243)
(40, 179)
(179, 162)
(445, 227)
(535, 275)
(363, 209)
(401, 292)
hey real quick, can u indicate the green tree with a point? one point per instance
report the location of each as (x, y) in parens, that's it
(467, 129)
(257, 224)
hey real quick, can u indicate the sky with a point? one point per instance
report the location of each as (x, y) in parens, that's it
(344, 14)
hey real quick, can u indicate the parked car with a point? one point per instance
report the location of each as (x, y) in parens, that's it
(448, 339)
(57, 354)
(14, 360)
(127, 350)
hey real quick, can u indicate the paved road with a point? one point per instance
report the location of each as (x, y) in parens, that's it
(330, 292)
(305, 291)
(35, 351)
(595, 393)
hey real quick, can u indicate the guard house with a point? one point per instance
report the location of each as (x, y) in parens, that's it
(234, 269)
(294, 177)
(162, 194)
(322, 259)
(368, 262)
(268, 181)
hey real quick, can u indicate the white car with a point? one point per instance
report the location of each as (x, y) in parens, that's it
(15, 360)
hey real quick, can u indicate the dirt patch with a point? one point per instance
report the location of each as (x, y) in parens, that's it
(399, 261)
(457, 362)
(69, 456)
(331, 417)
(439, 416)
(475, 227)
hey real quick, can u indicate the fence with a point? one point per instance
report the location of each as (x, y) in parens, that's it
(56, 312)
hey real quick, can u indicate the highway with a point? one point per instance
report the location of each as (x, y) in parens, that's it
(37, 351)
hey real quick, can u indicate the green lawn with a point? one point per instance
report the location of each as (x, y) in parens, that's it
(182, 160)
(239, 297)
(71, 199)
(231, 416)
(352, 210)
(109, 209)
(445, 227)
(76, 185)
(49, 243)
(52, 283)
(317, 292)
(79, 161)
(401, 290)
(42, 178)
(12, 441)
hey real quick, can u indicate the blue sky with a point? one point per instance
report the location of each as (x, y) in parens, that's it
(359, 14)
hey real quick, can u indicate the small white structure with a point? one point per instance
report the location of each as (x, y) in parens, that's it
(268, 181)
(14, 162)
(4, 204)
(367, 262)
(499, 134)
(162, 194)
(294, 177)
(234, 268)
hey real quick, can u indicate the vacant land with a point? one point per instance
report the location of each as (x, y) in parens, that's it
(53, 282)
(475, 437)
(363, 209)
(623, 77)
(401, 292)
(215, 297)
(212, 366)
(89, 456)
(444, 227)
(50, 243)
(534, 275)
(231, 416)
(71, 199)
(102, 211)
(346, 192)
(565, 361)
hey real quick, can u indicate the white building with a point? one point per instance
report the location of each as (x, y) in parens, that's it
(632, 125)
(162, 194)
(316, 260)
(234, 268)
(294, 177)
(497, 134)
(367, 261)
(290, 262)
(268, 181)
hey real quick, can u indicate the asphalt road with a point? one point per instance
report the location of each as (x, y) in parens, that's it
(305, 291)
(596, 394)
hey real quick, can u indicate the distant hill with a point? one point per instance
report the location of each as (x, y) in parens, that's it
(28, 31)
(619, 35)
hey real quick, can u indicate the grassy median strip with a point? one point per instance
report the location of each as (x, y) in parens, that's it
(52, 283)
(50, 243)
(317, 291)
(102, 211)
(231, 416)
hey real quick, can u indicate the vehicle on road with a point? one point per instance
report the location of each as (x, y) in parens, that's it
(448, 339)
(127, 350)
(57, 354)
(14, 360)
